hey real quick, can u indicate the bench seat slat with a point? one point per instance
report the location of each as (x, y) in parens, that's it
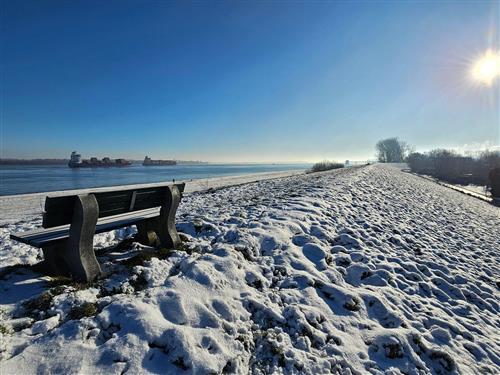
(42, 236)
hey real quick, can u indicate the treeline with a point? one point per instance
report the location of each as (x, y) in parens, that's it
(452, 167)
(32, 161)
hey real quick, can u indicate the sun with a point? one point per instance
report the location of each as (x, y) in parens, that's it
(486, 69)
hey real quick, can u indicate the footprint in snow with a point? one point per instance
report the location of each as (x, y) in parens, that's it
(316, 255)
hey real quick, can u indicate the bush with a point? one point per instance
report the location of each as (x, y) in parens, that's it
(450, 166)
(419, 163)
(495, 182)
(455, 168)
(326, 165)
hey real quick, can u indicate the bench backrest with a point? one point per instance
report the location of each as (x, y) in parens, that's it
(59, 210)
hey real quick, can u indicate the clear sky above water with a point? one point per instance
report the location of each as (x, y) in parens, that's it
(234, 81)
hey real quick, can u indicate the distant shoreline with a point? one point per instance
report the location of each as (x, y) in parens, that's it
(33, 161)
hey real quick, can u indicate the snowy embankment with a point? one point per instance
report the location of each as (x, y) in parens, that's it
(365, 270)
(476, 191)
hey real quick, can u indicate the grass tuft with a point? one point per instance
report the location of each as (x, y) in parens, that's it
(146, 255)
(4, 330)
(40, 303)
(58, 284)
(86, 309)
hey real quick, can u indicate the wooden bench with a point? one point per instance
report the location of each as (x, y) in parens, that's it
(70, 222)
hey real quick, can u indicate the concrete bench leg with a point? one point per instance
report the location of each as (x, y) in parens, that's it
(146, 233)
(161, 231)
(75, 256)
(79, 253)
(53, 261)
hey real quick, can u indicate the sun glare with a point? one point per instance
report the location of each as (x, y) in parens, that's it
(486, 69)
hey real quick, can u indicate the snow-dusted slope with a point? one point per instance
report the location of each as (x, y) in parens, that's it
(366, 270)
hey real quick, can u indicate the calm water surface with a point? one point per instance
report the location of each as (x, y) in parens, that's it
(21, 179)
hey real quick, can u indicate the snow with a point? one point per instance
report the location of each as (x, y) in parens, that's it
(352, 271)
(477, 191)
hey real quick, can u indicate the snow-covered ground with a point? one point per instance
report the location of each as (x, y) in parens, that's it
(476, 189)
(353, 271)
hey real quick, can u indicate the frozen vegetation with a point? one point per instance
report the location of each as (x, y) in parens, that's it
(352, 271)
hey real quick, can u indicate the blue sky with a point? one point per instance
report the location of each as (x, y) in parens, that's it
(233, 81)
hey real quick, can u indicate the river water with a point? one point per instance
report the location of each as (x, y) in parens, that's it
(21, 179)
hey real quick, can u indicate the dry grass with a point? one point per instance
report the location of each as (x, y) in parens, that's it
(326, 166)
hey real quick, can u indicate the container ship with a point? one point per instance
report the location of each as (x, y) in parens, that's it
(77, 162)
(148, 162)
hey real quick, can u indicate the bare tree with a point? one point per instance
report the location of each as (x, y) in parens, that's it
(392, 150)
